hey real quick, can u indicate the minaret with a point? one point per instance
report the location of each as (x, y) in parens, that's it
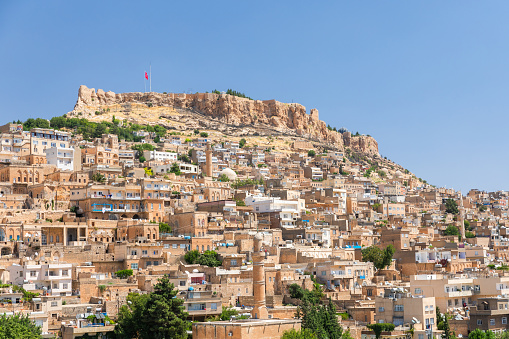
(462, 218)
(259, 309)
(208, 160)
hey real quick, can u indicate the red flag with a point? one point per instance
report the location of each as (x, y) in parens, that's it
(146, 75)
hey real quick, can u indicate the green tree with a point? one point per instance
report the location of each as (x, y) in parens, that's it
(239, 202)
(204, 134)
(379, 258)
(242, 142)
(466, 223)
(451, 230)
(296, 291)
(440, 319)
(99, 130)
(164, 228)
(226, 314)
(209, 258)
(381, 327)
(159, 314)
(98, 177)
(18, 327)
(320, 319)
(469, 234)
(223, 178)
(451, 206)
(192, 256)
(304, 333)
(175, 168)
(142, 158)
(482, 208)
(480, 334)
(124, 274)
(311, 153)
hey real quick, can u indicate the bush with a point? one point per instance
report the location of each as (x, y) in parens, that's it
(451, 230)
(123, 274)
(164, 228)
(204, 134)
(18, 326)
(311, 153)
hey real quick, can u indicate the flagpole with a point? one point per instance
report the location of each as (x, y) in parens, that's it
(150, 78)
(145, 83)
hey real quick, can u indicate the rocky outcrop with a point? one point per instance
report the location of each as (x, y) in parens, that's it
(231, 110)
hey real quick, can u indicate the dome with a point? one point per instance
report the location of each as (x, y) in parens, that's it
(398, 174)
(229, 173)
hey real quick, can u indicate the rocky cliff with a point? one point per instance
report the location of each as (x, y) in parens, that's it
(231, 110)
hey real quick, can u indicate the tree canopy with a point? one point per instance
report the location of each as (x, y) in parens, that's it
(451, 206)
(480, 334)
(207, 258)
(379, 258)
(304, 333)
(123, 274)
(159, 314)
(378, 328)
(451, 230)
(18, 327)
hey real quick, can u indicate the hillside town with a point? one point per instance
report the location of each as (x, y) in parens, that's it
(246, 231)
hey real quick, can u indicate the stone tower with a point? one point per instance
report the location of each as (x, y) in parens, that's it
(259, 309)
(208, 160)
(462, 218)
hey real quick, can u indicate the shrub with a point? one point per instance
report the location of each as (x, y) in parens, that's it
(123, 274)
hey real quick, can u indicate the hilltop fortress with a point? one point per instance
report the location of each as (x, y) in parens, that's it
(233, 111)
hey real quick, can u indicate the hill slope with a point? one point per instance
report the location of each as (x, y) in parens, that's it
(228, 114)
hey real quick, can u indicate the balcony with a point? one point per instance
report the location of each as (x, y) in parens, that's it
(460, 293)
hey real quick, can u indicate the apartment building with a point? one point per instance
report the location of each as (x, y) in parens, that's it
(53, 279)
(62, 158)
(399, 307)
(43, 138)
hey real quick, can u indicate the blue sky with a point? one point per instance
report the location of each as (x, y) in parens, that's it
(429, 80)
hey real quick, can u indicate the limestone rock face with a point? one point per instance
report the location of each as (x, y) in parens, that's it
(233, 111)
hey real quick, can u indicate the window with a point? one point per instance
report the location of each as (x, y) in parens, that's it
(182, 283)
(65, 272)
(479, 322)
(174, 246)
(504, 320)
(65, 286)
(233, 262)
(417, 291)
(134, 266)
(144, 252)
(33, 273)
(324, 272)
(54, 304)
(381, 309)
(492, 322)
(399, 308)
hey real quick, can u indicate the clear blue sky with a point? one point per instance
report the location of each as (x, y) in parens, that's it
(428, 79)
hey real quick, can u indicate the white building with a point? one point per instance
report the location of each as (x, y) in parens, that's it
(56, 279)
(289, 210)
(161, 156)
(63, 158)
